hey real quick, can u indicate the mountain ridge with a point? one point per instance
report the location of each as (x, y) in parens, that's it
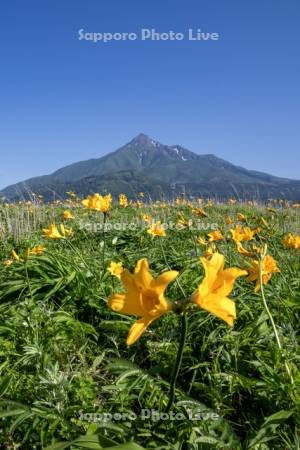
(162, 167)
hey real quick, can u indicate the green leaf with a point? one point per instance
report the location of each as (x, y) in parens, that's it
(277, 418)
(13, 412)
(5, 382)
(88, 441)
(271, 422)
(128, 446)
(92, 442)
(58, 446)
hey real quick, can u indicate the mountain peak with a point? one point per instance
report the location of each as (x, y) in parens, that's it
(144, 139)
(146, 165)
(141, 136)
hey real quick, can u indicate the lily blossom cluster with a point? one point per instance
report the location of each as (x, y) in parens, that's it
(54, 232)
(241, 234)
(38, 250)
(215, 236)
(98, 202)
(157, 229)
(67, 215)
(116, 269)
(145, 295)
(292, 241)
(123, 200)
(268, 267)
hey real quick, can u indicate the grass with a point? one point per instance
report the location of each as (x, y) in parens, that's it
(64, 363)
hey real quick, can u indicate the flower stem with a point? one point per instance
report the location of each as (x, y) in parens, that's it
(288, 370)
(168, 265)
(103, 248)
(28, 280)
(178, 362)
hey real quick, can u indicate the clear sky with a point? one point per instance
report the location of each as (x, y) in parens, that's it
(64, 100)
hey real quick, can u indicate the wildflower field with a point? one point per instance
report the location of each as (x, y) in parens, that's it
(149, 325)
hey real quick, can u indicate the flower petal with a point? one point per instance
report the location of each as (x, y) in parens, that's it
(138, 329)
(227, 280)
(126, 304)
(162, 281)
(213, 266)
(128, 280)
(142, 275)
(222, 307)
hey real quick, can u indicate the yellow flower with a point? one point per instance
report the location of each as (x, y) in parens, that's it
(116, 269)
(269, 266)
(157, 229)
(200, 212)
(257, 250)
(123, 201)
(240, 234)
(201, 241)
(229, 220)
(66, 232)
(27, 253)
(215, 235)
(71, 193)
(212, 294)
(210, 251)
(98, 202)
(38, 250)
(144, 297)
(243, 251)
(292, 241)
(146, 218)
(15, 256)
(138, 204)
(183, 223)
(241, 217)
(209, 204)
(8, 262)
(67, 215)
(53, 233)
(163, 205)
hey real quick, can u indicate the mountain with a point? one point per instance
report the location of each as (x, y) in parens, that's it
(158, 170)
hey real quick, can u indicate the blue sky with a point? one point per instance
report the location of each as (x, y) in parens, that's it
(64, 100)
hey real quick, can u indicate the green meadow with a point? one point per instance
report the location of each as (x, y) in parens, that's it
(68, 379)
